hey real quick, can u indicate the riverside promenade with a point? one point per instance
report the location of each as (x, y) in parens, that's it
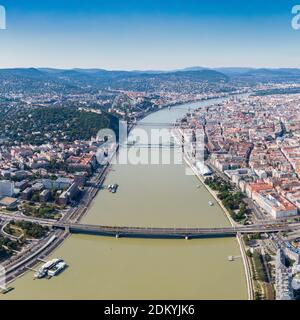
(250, 289)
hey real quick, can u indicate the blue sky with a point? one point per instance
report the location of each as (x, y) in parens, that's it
(157, 34)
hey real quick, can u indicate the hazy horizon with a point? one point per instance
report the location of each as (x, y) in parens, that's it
(145, 70)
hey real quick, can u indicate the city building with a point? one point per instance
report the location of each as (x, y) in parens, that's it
(8, 202)
(283, 279)
(69, 194)
(203, 169)
(6, 188)
(58, 184)
(253, 189)
(27, 193)
(80, 178)
(275, 205)
(45, 195)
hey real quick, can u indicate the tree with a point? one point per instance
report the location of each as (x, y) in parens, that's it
(249, 254)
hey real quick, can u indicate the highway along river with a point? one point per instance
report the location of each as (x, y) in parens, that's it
(148, 195)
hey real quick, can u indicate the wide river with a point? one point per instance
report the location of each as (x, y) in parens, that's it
(149, 195)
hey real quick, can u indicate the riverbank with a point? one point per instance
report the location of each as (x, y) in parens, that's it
(30, 258)
(247, 268)
(232, 222)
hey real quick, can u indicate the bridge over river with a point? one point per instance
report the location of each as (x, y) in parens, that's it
(175, 233)
(144, 232)
(149, 146)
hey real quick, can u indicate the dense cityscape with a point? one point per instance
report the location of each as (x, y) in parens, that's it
(51, 168)
(150, 155)
(253, 144)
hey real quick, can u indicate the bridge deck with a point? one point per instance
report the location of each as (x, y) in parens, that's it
(142, 232)
(173, 232)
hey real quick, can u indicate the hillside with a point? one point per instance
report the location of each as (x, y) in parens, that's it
(79, 80)
(41, 125)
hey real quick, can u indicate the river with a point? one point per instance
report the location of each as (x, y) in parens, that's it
(149, 195)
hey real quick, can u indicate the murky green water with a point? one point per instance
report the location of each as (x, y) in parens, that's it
(149, 195)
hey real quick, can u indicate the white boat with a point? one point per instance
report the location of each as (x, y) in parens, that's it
(43, 271)
(40, 274)
(114, 188)
(211, 203)
(57, 269)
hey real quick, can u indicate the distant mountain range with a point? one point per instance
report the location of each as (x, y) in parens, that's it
(263, 72)
(96, 79)
(200, 71)
(205, 74)
(151, 80)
